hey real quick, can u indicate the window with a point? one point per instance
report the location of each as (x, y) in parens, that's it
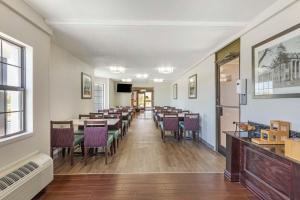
(99, 97)
(12, 88)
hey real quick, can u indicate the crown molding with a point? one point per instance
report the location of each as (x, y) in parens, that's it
(145, 23)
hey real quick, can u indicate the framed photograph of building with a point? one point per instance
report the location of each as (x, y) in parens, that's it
(175, 88)
(276, 65)
(192, 87)
(86, 86)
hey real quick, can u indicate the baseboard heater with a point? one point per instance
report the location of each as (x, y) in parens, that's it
(26, 178)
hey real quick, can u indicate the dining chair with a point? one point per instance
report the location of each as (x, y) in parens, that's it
(81, 127)
(62, 136)
(185, 111)
(191, 123)
(96, 115)
(96, 136)
(170, 124)
(117, 131)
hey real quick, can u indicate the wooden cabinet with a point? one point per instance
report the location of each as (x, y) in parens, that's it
(263, 169)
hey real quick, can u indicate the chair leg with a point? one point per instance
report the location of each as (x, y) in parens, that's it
(85, 155)
(63, 152)
(194, 135)
(115, 145)
(106, 155)
(82, 148)
(72, 155)
(51, 152)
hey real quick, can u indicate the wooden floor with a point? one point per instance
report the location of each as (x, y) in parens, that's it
(142, 151)
(204, 186)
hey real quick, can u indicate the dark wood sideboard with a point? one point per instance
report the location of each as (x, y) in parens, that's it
(263, 169)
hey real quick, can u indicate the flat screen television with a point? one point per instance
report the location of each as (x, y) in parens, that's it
(124, 87)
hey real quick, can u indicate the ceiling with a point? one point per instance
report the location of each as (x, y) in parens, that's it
(142, 35)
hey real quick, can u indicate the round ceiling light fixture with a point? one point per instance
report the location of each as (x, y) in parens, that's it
(158, 80)
(126, 80)
(117, 69)
(142, 76)
(165, 70)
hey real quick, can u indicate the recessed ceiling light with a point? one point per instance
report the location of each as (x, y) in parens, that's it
(165, 70)
(158, 80)
(127, 80)
(142, 76)
(117, 69)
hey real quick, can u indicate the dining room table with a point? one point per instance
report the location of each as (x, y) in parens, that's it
(161, 116)
(111, 123)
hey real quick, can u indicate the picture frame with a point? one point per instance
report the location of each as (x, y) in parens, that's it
(175, 90)
(86, 86)
(192, 87)
(276, 65)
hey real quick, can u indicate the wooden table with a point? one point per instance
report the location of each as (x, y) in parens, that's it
(180, 116)
(110, 122)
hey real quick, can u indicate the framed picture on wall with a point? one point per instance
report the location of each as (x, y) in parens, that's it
(276, 65)
(86, 86)
(175, 91)
(192, 87)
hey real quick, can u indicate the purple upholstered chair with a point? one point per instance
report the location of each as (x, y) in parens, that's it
(191, 123)
(170, 123)
(96, 136)
(62, 136)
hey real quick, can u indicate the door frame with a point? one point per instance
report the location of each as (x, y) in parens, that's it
(138, 102)
(147, 89)
(219, 147)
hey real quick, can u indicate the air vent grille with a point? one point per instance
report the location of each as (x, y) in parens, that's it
(16, 175)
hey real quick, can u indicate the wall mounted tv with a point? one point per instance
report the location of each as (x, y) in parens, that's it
(124, 87)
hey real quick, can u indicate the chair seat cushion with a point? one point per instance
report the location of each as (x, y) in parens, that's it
(181, 124)
(115, 133)
(161, 125)
(79, 132)
(110, 138)
(78, 139)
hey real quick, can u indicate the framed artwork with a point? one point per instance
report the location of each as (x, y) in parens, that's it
(86, 86)
(175, 91)
(276, 65)
(192, 86)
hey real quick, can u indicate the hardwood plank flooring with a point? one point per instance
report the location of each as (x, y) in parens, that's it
(142, 151)
(179, 186)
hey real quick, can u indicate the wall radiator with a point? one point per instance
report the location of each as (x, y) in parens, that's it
(26, 178)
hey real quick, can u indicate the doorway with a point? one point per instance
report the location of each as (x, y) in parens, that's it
(142, 98)
(227, 99)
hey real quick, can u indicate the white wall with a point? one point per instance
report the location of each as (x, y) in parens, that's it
(263, 110)
(162, 94)
(205, 102)
(112, 93)
(20, 29)
(65, 85)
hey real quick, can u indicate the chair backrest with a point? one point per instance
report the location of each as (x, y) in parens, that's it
(185, 111)
(83, 116)
(62, 134)
(170, 122)
(96, 115)
(192, 122)
(95, 133)
(117, 115)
